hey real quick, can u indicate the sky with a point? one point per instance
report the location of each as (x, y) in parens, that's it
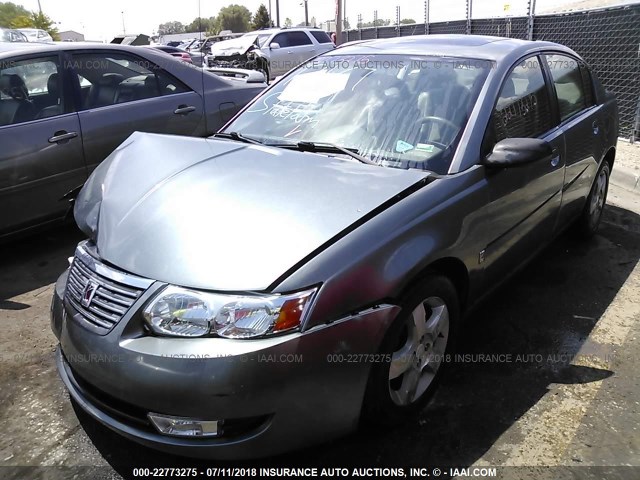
(104, 19)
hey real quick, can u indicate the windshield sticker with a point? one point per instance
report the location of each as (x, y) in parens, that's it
(425, 147)
(311, 87)
(403, 147)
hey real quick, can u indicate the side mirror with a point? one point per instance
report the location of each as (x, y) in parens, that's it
(274, 46)
(513, 152)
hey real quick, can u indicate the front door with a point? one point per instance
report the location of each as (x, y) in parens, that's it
(122, 93)
(524, 200)
(41, 157)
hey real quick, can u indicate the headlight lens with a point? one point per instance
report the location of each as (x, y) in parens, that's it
(179, 312)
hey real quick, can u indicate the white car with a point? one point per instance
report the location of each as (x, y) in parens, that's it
(284, 49)
(36, 35)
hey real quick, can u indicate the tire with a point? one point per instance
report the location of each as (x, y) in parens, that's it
(264, 69)
(587, 224)
(399, 388)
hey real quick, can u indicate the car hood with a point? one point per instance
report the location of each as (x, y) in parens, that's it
(222, 215)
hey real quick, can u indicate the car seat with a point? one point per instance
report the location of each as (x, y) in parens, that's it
(17, 108)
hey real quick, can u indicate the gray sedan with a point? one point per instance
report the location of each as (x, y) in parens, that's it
(64, 108)
(308, 269)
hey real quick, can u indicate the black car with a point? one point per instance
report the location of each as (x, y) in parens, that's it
(66, 107)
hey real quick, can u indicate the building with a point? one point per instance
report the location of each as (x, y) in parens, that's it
(71, 36)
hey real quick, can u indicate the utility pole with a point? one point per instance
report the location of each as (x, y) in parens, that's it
(338, 22)
(426, 17)
(278, 13)
(306, 13)
(531, 7)
(39, 7)
(375, 21)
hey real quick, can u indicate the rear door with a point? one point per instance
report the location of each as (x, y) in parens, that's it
(295, 48)
(121, 93)
(41, 157)
(324, 41)
(579, 116)
(524, 200)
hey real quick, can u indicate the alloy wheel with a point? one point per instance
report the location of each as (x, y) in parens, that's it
(415, 363)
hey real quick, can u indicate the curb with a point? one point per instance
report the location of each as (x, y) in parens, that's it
(626, 178)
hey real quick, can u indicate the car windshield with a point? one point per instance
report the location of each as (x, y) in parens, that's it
(395, 110)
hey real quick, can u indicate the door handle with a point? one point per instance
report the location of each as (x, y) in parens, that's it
(62, 136)
(596, 127)
(184, 109)
(555, 161)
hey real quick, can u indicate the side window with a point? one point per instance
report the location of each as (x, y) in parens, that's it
(281, 39)
(114, 78)
(587, 81)
(297, 39)
(321, 36)
(523, 108)
(30, 90)
(568, 82)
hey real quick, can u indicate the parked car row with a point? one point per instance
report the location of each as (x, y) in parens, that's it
(24, 35)
(308, 268)
(65, 107)
(271, 51)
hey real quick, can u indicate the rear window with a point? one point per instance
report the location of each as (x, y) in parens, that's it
(321, 36)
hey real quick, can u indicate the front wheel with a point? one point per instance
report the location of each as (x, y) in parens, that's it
(589, 220)
(417, 345)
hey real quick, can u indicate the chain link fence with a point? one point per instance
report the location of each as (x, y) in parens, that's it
(608, 39)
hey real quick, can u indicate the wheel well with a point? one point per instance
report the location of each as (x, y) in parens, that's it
(610, 156)
(455, 270)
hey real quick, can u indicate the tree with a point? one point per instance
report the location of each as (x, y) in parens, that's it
(170, 28)
(407, 21)
(201, 25)
(288, 23)
(9, 12)
(36, 20)
(261, 18)
(235, 18)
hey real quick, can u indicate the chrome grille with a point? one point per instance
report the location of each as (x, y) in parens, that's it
(101, 301)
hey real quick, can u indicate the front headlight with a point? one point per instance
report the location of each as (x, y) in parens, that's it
(179, 312)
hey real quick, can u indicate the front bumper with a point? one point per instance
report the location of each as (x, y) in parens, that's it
(272, 395)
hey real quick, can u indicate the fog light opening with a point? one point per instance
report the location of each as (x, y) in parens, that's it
(185, 427)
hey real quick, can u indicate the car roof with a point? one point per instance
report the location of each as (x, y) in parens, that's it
(9, 49)
(463, 46)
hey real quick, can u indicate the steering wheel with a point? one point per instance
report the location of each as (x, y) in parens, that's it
(441, 120)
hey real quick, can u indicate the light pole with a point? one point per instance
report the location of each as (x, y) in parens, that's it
(306, 14)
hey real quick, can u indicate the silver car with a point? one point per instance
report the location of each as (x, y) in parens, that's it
(308, 268)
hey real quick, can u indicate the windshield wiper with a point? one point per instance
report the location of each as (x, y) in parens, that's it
(238, 137)
(324, 147)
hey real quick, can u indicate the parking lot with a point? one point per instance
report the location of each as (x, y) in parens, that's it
(547, 374)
